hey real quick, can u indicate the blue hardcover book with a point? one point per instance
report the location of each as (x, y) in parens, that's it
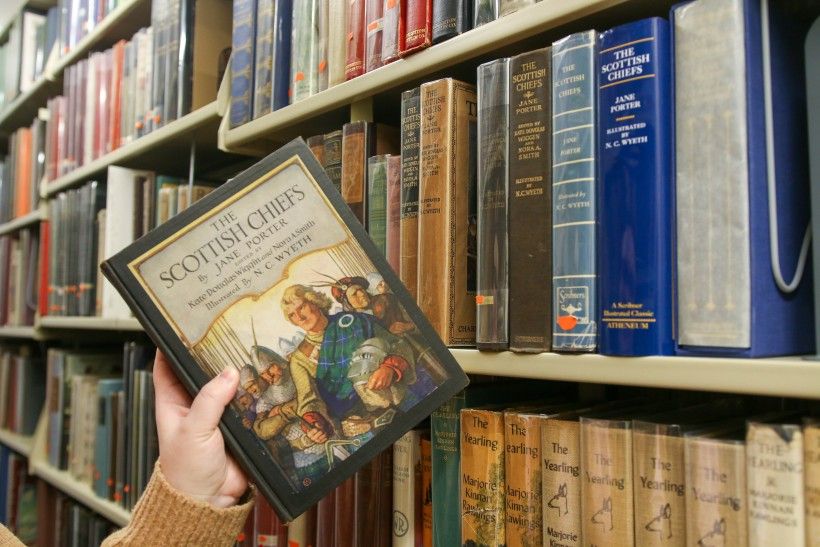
(574, 94)
(283, 16)
(740, 155)
(103, 483)
(263, 67)
(244, 26)
(635, 190)
(5, 479)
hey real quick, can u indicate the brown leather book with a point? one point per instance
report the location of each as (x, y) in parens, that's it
(447, 209)
(374, 501)
(344, 523)
(325, 521)
(317, 146)
(361, 140)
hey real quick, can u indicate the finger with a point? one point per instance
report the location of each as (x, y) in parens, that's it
(167, 387)
(209, 404)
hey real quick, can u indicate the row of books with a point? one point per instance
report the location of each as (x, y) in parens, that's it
(90, 223)
(22, 388)
(101, 425)
(625, 472)
(510, 172)
(22, 170)
(18, 496)
(114, 97)
(285, 51)
(19, 255)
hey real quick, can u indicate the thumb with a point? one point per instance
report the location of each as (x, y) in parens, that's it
(210, 402)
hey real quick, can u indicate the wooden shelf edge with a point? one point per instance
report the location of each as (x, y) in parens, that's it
(21, 222)
(89, 323)
(521, 25)
(780, 377)
(23, 98)
(178, 127)
(21, 444)
(30, 333)
(90, 40)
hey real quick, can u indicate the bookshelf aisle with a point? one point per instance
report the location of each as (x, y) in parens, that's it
(204, 139)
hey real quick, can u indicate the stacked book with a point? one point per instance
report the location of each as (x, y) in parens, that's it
(286, 51)
(68, 523)
(118, 95)
(31, 38)
(101, 425)
(21, 171)
(22, 389)
(19, 267)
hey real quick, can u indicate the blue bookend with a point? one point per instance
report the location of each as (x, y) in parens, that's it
(635, 190)
(741, 174)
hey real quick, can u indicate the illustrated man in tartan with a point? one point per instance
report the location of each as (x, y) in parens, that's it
(329, 404)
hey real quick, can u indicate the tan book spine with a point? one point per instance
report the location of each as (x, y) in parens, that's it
(406, 461)
(561, 482)
(607, 514)
(522, 460)
(353, 167)
(446, 256)
(659, 479)
(482, 477)
(774, 484)
(716, 492)
(811, 477)
(426, 492)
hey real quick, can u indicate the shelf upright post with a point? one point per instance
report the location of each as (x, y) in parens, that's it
(813, 96)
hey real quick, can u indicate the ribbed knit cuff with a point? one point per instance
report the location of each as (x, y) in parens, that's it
(165, 516)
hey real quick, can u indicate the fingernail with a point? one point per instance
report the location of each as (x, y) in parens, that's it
(226, 374)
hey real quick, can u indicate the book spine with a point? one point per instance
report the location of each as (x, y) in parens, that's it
(325, 515)
(523, 480)
(483, 485)
(530, 194)
(426, 493)
(281, 53)
(492, 279)
(635, 149)
(811, 478)
(353, 167)
(774, 484)
(574, 201)
(447, 214)
(171, 78)
(241, 110)
(304, 78)
(344, 521)
(659, 482)
(410, 135)
(484, 11)
(374, 501)
(322, 37)
(561, 482)
(445, 433)
(713, 224)
(393, 228)
(337, 42)
(356, 34)
(607, 512)
(393, 31)
(332, 158)
(716, 492)
(377, 201)
(302, 531)
(407, 490)
(418, 21)
(451, 18)
(374, 25)
(316, 143)
(263, 77)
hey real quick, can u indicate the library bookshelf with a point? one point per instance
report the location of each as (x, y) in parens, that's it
(361, 99)
(21, 444)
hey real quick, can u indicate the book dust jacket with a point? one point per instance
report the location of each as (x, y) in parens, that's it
(271, 274)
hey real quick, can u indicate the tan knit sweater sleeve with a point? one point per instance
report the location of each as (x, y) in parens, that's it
(7, 539)
(165, 516)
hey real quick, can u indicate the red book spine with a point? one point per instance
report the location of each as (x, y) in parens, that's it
(418, 22)
(116, 91)
(355, 40)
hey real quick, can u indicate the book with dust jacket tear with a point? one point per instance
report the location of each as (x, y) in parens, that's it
(271, 274)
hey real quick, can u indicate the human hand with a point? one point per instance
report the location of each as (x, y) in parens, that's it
(316, 435)
(381, 378)
(191, 448)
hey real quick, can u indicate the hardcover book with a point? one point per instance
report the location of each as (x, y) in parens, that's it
(418, 32)
(811, 479)
(410, 134)
(530, 196)
(575, 313)
(741, 175)
(268, 274)
(451, 18)
(635, 183)
(244, 26)
(356, 34)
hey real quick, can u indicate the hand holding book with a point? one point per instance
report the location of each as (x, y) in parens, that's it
(192, 450)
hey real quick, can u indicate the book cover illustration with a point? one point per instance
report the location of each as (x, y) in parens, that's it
(271, 275)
